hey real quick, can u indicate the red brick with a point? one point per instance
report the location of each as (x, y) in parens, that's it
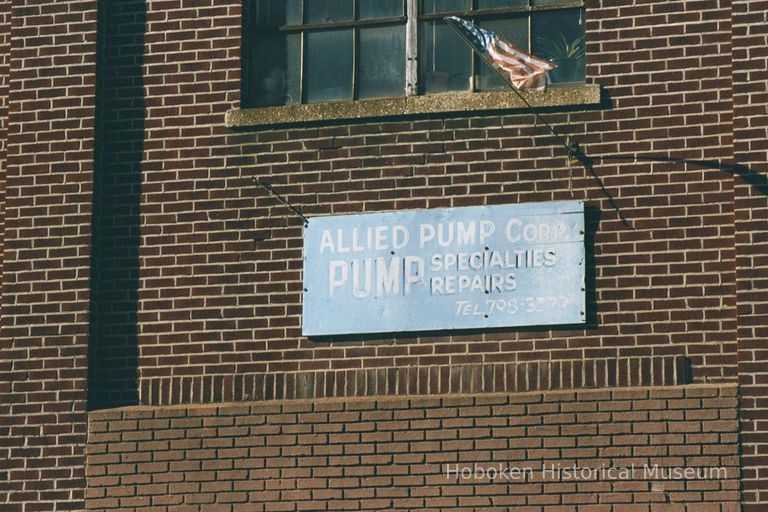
(219, 313)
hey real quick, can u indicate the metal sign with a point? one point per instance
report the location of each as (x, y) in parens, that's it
(454, 268)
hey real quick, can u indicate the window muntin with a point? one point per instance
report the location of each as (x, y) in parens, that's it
(308, 51)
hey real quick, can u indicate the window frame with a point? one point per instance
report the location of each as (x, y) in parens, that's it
(475, 13)
(412, 17)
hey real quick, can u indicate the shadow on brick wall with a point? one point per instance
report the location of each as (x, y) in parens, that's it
(113, 342)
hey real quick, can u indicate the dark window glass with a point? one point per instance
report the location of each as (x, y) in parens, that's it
(429, 6)
(274, 13)
(292, 12)
(275, 62)
(327, 11)
(328, 65)
(381, 59)
(496, 4)
(512, 29)
(293, 73)
(445, 60)
(367, 9)
(324, 50)
(559, 37)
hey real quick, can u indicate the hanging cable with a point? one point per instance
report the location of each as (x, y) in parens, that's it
(272, 192)
(570, 176)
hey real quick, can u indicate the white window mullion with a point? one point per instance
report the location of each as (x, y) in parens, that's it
(411, 49)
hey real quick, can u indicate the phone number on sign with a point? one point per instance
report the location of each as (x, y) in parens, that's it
(511, 306)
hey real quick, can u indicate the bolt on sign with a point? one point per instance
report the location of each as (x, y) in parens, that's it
(442, 269)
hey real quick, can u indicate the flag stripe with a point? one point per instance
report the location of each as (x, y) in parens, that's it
(525, 71)
(513, 59)
(513, 49)
(510, 64)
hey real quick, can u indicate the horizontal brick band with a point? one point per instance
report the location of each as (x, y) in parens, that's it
(396, 452)
(425, 380)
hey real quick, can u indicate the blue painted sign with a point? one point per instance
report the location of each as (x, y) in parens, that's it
(453, 268)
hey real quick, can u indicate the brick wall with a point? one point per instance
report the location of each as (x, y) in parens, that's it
(197, 274)
(46, 254)
(424, 380)
(395, 453)
(219, 285)
(5, 50)
(5, 60)
(121, 110)
(750, 98)
(192, 239)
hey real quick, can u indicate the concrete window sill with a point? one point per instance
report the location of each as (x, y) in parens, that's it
(428, 104)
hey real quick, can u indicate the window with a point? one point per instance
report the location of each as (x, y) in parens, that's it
(309, 51)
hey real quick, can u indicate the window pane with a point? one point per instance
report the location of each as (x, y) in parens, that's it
(381, 62)
(428, 6)
(445, 60)
(379, 8)
(559, 37)
(512, 29)
(328, 65)
(274, 12)
(328, 11)
(274, 71)
(273, 65)
(293, 73)
(495, 4)
(293, 12)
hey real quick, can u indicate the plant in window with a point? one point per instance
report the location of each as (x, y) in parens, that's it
(568, 55)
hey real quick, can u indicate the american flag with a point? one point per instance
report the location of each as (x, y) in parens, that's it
(524, 71)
